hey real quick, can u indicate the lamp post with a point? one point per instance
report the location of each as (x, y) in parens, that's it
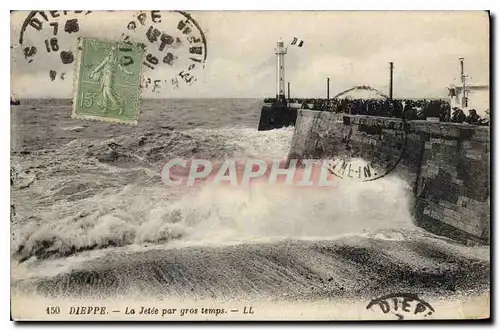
(463, 78)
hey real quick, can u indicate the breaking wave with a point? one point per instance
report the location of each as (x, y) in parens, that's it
(115, 198)
(219, 214)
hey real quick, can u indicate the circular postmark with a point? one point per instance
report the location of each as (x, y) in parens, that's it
(174, 43)
(371, 146)
(402, 305)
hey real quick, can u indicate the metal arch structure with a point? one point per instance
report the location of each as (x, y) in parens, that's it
(363, 88)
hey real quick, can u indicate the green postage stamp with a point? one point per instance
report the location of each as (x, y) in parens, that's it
(107, 81)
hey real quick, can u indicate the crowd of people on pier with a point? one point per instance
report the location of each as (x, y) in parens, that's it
(413, 109)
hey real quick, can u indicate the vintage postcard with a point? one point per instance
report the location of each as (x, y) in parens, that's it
(250, 165)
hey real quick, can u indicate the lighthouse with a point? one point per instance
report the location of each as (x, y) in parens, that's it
(279, 113)
(280, 52)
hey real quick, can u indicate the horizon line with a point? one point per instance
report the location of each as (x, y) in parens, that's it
(202, 98)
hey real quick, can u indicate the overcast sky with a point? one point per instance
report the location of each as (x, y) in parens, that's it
(352, 48)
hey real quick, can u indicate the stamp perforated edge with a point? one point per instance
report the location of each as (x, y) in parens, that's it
(76, 76)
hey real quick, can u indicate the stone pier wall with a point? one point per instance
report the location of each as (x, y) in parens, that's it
(446, 164)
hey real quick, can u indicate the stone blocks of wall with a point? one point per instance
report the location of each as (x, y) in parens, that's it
(453, 184)
(446, 164)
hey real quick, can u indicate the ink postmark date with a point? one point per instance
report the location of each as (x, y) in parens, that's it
(155, 51)
(107, 82)
(174, 43)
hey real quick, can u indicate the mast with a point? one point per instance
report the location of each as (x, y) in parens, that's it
(391, 68)
(328, 89)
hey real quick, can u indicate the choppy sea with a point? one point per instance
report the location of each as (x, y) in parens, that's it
(90, 214)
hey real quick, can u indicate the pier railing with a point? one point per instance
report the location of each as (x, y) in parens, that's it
(413, 109)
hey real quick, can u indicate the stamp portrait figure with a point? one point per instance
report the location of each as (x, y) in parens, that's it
(108, 81)
(109, 98)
